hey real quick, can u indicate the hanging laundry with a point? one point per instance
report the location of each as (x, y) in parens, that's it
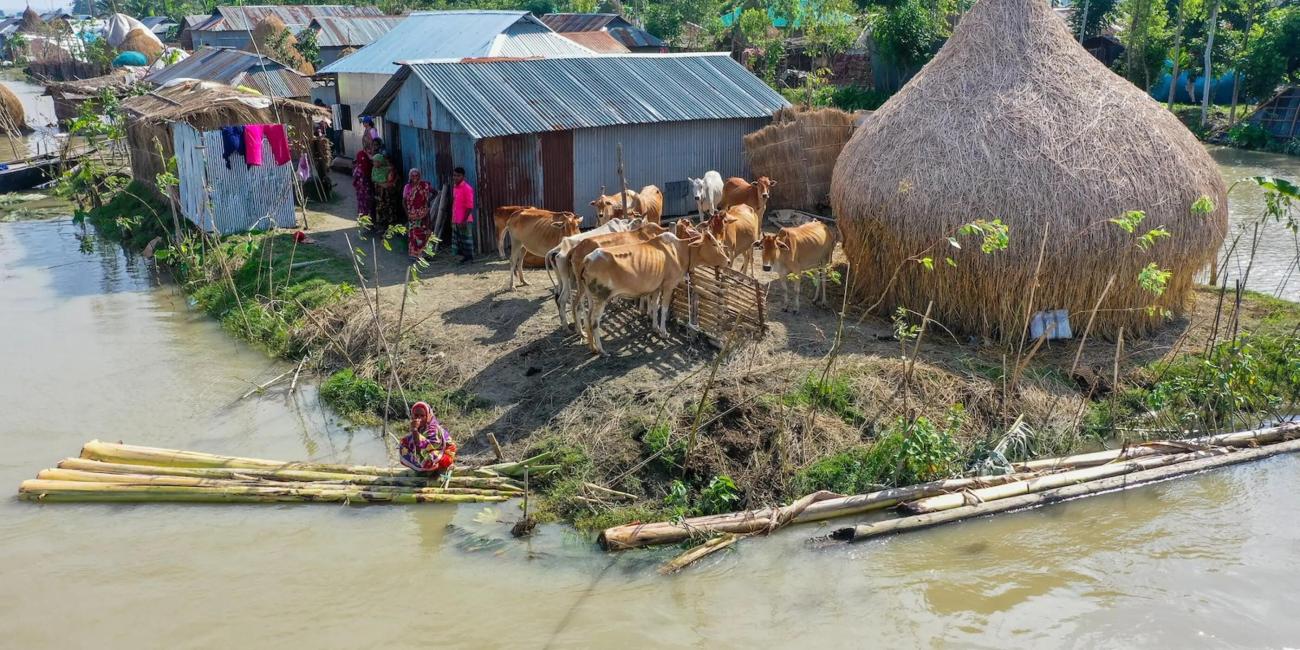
(232, 141)
(253, 144)
(279, 143)
(304, 168)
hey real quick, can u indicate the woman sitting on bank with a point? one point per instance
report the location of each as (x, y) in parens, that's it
(428, 447)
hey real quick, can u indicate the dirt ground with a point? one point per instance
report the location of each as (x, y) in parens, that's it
(508, 348)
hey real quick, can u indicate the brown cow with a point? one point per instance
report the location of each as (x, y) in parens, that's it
(794, 250)
(737, 227)
(501, 219)
(610, 206)
(737, 191)
(536, 231)
(578, 256)
(653, 268)
(685, 228)
(650, 203)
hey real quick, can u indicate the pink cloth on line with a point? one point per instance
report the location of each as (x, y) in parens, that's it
(253, 143)
(462, 203)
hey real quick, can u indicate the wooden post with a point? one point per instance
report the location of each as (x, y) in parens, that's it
(622, 181)
(496, 447)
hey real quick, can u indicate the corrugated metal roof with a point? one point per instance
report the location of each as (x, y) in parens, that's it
(597, 41)
(237, 67)
(626, 33)
(633, 37)
(505, 97)
(241, 18)
(352, 31)
(456, 34)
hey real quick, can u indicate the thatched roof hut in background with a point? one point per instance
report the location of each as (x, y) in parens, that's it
(1014, 120)
(206, 106)
(798, 150)
(13, 119)
(143, 41)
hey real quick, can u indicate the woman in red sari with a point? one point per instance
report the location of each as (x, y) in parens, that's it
(416, 197)
(428, 447)
(361, 167)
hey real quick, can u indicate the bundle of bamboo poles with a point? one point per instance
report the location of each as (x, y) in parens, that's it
(109, 472)
(1033, 483)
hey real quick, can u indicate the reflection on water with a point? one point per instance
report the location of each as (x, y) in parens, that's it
(39, 110)
(93, 348)
(1278, 249)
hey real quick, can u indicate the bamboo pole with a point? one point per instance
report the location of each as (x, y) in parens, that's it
(637, 535)
(916, 522)
(1282, 431)
(1052, 481)
(59, 491)
(133, 454)
(189, 481)
(686, 559)
(288, 475)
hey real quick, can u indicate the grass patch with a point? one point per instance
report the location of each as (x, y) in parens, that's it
(835, 395)
(356, 398)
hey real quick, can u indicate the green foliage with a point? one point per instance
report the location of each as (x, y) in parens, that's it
(668, 452)
(909, 34)
(1273, 57)
(1248, 135)
(1203, 205)
(834, 396)
(666, 18)
(1099, 16)
(1250, 375)
(678, 499)
(308, 47)
(994, 235)
(1154, 279)
(927, 452)
(351, 395)
(719, 496)
(853, 471)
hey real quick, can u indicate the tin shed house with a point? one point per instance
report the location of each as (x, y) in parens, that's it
(544, 132)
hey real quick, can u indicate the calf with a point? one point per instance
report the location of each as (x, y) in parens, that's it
(708, 193)
(610, 206)
(559, 260)
(795, 250)
(737, 227)
(536, 231)
(651, 268)
(501, 219)
(738, 191)
(578, 256)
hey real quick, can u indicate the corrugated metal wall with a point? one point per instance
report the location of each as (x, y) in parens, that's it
(657, 154)
(356, 90)
(509, 173)
(230, 200)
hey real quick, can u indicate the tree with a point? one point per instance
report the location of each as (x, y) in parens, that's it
(1250, 12)
(1145, 37)
(908, 34)
(1092, 18)
(1206, 91)
(1176, 56)
(1274, 56)
(308, 47)
(665, 18)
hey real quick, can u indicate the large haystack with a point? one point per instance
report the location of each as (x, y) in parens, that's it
(13, 119)
(798, 150)
(1014, 120)
(142, 41)
(267, 35)
(31, 20)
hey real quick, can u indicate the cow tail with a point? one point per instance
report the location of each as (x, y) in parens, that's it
(546, 264)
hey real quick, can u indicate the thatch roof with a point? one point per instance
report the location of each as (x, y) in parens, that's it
(1014, 120)
(31, 19)
(798, 150)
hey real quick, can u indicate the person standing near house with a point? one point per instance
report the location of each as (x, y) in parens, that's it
(361, 183)
(419, 227)
(385, 180)
(368, 132)
(462, 215)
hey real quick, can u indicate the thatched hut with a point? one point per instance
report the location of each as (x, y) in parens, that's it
(143, 41)
(798, 150)
(1014, 120)
(182, 121)
(13, 119)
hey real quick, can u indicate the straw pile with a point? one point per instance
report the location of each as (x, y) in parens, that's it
(139, 40)
(1014, 120)
(108, 472)
(13, 119)
(799, 149)
(268, 32)
(31, 20)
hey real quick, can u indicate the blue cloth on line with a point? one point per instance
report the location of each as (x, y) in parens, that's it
(232, 141)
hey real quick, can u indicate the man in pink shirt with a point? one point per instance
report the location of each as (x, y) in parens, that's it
(462, 216)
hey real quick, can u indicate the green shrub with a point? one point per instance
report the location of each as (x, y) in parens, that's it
(719, 496)
(908, 452)
(659, 443)
(1248, 136)
(1249, 375)
(834, 395)
(351, 395)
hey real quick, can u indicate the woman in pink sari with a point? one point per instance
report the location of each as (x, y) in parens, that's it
(416, 198)
(361, 167)
(428, 447)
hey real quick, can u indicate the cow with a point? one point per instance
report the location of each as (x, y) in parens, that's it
(501, 219)
(791, 251)
(558, 259)
(738, 191)
(578, 256)
(611, 206)
(737, 227)
(536, 231)
(708, 193)
(685, 228)
(650, 204)
(652, 268)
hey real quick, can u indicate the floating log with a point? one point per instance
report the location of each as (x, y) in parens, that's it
(1284, 431)
(686, 559)
(1123, 481)
(290, 475)
(137, 455)
(637, 535)
(75, 491)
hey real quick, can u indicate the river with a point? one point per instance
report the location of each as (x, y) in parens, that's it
(93, 347)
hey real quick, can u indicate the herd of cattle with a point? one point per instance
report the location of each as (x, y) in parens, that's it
(632, 255)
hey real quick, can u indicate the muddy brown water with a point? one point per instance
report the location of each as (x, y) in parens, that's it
(92, 347)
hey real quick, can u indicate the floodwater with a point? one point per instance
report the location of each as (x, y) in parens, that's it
(1276, 249)
(93, 347)
(39, 110)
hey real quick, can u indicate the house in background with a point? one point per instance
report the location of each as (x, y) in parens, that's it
(232, 26)
(632, 37)
(337, 34)
(239, 68)
(159, 25)
(545, 132)
(601, 42)
(356, 78)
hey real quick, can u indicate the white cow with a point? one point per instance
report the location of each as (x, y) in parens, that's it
(558, 259)
(708, 193)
